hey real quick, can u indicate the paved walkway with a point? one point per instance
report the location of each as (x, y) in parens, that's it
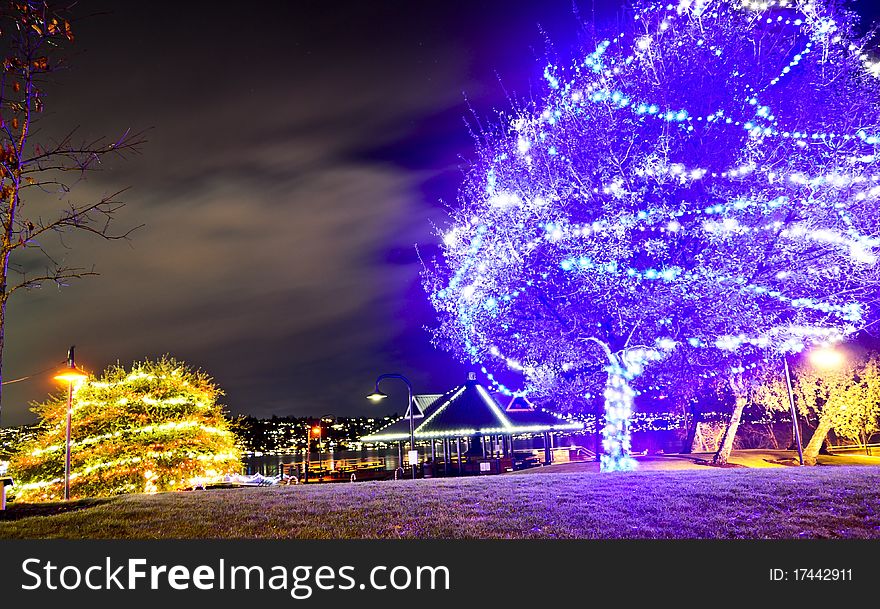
(742, 458)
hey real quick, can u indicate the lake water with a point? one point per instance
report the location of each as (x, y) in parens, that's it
(270, 465)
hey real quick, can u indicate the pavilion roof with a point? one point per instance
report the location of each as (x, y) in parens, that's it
(467, 410)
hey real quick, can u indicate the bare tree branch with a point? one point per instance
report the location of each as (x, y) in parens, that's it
(58, 275)
(35, 37)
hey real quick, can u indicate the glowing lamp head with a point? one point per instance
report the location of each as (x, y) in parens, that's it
(377, 396)
(316, 431)
(70, 375)
(826, 357)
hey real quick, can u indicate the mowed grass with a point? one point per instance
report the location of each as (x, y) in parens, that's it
(816, 502)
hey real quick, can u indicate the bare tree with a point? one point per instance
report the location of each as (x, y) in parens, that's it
(37, 172)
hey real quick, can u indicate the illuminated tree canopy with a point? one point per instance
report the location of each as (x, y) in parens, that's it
(705, 179)
(157, 427)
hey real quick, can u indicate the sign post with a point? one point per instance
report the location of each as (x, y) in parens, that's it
(4, 482)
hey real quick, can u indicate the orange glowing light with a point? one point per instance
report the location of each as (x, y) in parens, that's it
(71, 375)
(316, 431)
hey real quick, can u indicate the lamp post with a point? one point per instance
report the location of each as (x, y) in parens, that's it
(794, 420)
(378, 395)
(316, 431)
(824, 357)
(70, 374)
(330, 416)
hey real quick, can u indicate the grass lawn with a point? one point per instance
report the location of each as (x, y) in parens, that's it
(754, 458)
(785, 502)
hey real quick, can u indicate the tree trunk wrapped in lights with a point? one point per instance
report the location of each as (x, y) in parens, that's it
(706, 180)
(616, 442)
(157, 427)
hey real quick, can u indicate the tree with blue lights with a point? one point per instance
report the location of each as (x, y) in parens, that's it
(704, 180)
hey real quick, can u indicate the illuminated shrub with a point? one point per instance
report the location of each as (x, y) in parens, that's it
(157, 427)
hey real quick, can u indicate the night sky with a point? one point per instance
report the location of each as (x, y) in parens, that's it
(298, 151)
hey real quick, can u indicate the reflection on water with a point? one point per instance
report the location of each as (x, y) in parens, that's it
(270, 465)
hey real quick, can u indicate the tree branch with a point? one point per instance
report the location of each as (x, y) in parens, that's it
(58, 276)
(80, 218)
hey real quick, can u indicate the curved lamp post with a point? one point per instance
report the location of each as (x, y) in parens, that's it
(377, 396)
(70, 374)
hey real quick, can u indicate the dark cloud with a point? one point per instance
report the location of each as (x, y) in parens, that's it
(277, 248)
(297, 153)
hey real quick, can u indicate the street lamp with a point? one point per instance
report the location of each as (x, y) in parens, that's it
(316, 431)
(325, 417)
(377, 396)
(70, 374)
(826, 357)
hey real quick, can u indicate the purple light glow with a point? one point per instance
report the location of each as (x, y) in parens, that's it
(704, 179)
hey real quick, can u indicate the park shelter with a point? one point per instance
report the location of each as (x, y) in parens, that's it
(467, 425)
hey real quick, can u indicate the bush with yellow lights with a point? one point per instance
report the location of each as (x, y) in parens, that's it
(156, 427)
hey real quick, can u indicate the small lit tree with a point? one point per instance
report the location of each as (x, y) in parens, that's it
(157, 427)
(855, 414)
(844, 398)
